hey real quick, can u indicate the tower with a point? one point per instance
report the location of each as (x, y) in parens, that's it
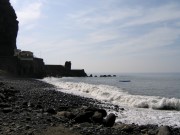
(68, 65)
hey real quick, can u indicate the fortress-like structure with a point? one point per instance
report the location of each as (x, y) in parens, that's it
(23, 63)
(64, 70)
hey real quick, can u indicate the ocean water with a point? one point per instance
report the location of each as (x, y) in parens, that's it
(146, 98)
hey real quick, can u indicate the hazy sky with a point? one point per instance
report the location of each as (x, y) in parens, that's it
(102, 35)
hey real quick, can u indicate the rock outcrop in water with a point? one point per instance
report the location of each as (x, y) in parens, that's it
(8, 28)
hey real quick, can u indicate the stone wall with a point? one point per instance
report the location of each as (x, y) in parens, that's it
(25, 68)
(78, 73)
(8, 28)
(39, 68)
(9, 64)
(63, 71)
(55, 70)
(31, 68)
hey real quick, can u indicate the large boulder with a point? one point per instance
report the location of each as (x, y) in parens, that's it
(84, 117)
(51, 111)
(102, 111)
(97, 117)
(8, 28)
(110, 120)
(164, 130)
(66, 114)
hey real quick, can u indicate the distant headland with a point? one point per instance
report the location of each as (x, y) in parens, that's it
(23, 63)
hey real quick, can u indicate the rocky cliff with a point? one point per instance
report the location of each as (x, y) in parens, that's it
(8, 28)
(24, 65)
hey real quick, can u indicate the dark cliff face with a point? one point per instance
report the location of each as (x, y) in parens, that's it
(8, 28)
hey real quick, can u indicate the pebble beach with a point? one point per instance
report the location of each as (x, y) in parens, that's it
(32, 107)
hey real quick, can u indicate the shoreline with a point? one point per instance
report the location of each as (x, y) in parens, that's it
(31, 100)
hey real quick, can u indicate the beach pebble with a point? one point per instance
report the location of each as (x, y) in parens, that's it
(4, 105)
(164, 130)
(51, 111)
(7, 110)
(2, 96)
(1, 83)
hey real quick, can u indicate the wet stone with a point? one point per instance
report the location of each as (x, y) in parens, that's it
(7, 110)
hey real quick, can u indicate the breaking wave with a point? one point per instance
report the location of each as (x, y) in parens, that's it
(115, 95)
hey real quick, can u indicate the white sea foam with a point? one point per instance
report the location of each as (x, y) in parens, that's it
(115, 95)
(132, 103)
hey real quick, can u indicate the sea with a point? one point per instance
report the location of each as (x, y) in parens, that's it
(147, 98)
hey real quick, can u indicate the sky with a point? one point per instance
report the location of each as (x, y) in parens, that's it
(112, 36)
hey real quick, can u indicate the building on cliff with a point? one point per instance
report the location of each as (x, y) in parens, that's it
(29, 66)
(12, 60)
(23, 63)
